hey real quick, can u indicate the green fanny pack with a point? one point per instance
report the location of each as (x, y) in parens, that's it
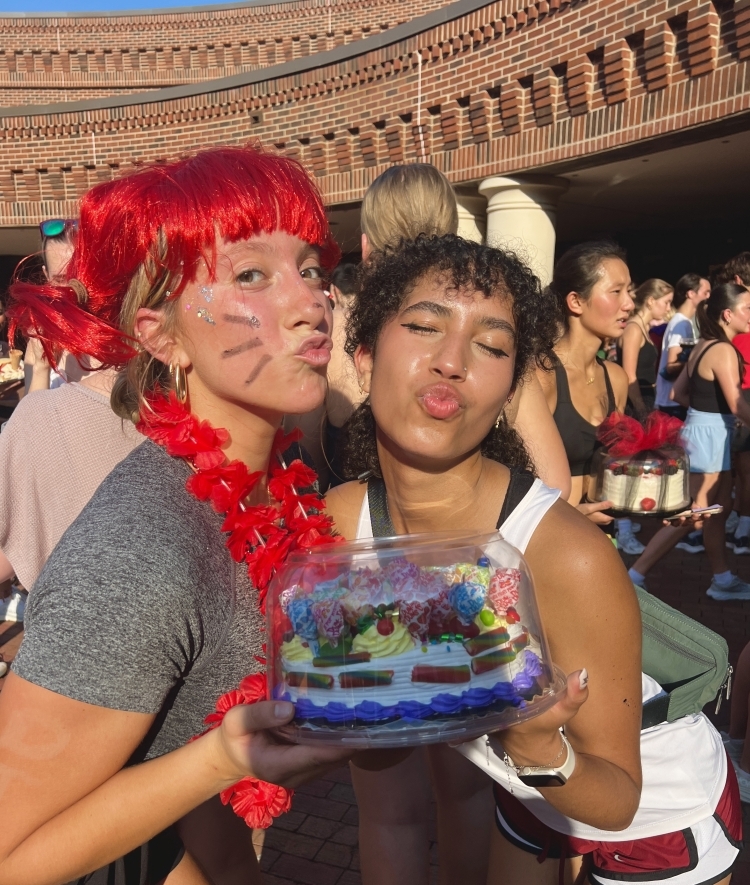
(689, 661)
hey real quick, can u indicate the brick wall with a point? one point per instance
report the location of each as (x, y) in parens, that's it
(59, 59)
(510, 87)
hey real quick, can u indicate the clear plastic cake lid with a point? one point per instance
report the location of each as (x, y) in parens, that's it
(409, 640)
(649, 483)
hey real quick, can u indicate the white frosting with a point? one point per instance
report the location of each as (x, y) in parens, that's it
(401, 687)
(627, 492)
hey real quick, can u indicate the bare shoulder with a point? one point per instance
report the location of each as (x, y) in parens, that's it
(344, 503)
(585, 570)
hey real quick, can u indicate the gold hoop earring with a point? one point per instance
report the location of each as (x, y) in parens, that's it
(179, 381)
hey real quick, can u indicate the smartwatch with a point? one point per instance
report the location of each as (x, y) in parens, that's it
(546, 775)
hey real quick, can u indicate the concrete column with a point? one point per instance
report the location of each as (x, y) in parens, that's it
(521, 215)
(472, 216)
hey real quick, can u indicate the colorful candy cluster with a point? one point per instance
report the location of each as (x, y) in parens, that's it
(430, 602)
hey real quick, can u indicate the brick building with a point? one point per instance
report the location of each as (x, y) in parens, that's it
(553, 118)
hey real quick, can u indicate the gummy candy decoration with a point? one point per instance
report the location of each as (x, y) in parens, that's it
(329, 617)
(428, 673)
(493, 659)
(441, 613)
(504, 588)
(300, 613)
(467, 600)
(415, 616)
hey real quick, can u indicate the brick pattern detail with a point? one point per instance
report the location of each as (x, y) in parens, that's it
(658, 50)
(544, 93)
(618, 71)
(450, 125)
(580, 83)
(480, 117)
(742, 28)
(512, 107)
(702, 39)
(510, 87)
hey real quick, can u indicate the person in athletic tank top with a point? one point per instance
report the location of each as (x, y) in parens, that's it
(636, 351)
(441, 332)
(710, 385)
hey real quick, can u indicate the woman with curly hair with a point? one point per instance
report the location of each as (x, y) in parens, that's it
(441, 332)
(202, 282)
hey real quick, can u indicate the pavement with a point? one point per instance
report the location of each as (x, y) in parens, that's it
(316, 842)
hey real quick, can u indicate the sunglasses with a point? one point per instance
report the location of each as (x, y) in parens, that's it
(55, 227)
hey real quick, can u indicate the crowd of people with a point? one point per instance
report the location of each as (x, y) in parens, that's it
(144, 463)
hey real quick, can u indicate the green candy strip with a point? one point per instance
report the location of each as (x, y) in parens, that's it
(309, 680)
(493, 660)
(365, 678)
(486, 641)
(357, 657)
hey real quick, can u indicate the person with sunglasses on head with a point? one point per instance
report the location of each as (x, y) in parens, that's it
(58, 235)
(214, 312)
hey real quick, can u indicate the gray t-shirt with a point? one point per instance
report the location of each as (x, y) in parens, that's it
(140, 606)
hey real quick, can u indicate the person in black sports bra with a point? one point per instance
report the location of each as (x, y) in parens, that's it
(635, 350)
(591, 283)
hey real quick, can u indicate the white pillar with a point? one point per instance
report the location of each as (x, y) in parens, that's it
(521, 216)
(472, 216)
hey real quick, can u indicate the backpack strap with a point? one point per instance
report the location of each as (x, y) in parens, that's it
(380, 518)
(520, 483)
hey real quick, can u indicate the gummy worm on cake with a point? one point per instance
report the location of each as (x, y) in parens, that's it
(407, 643)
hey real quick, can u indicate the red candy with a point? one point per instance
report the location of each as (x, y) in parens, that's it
(648, 504)
(385, 626)
(512, 616)
(415, 616)
(441, 614)
(504, 588)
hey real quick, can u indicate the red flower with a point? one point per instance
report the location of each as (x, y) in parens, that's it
(257, 802)
(253, 688)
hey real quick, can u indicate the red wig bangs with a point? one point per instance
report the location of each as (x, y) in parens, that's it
(171, 215)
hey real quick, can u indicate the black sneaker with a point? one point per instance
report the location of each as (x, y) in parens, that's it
(741, 545)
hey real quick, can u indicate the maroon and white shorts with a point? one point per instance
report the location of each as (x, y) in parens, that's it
(701, 854)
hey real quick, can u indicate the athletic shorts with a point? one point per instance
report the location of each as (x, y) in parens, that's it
(698, 855)
(707, 439)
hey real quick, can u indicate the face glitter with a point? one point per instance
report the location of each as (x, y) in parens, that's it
(188, 306)
(205, 315)
(208, 293)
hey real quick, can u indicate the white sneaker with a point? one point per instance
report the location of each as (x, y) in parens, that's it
(743, 779)
(736, 589)
(13, 606)
(628, 543)
(733, 746)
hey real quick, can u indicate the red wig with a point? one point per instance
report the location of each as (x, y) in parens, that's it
(233, 192)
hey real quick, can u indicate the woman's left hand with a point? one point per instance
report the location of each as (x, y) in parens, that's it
(537, 741)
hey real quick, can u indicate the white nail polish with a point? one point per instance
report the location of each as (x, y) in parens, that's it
(583, 679)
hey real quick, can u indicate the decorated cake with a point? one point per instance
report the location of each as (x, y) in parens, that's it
(641, 469)
(408, 640)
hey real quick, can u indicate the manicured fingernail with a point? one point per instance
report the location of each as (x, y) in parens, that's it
(283, 710)
(583, 678)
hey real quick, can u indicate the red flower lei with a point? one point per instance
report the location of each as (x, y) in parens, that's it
(260, 535)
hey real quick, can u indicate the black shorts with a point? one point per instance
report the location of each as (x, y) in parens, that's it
(147, 865)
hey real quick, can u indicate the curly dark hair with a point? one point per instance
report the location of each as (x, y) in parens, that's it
(385, 283)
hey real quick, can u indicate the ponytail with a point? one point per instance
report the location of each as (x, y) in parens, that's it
(723, 297)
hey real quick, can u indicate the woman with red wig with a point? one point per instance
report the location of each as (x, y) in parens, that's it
(202, 282)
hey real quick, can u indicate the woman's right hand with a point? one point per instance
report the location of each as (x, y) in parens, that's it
(593, 511)
(247, 747)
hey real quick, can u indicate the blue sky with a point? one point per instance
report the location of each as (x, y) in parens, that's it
(58, 6)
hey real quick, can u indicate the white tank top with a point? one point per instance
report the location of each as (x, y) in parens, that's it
(683, 763)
